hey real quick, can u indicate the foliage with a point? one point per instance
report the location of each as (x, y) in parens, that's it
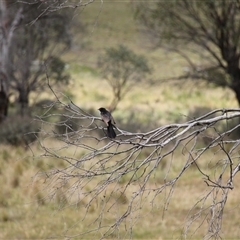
(123, 69)
(19, 131)
(136, 121)
(37, 42)
(198, 112)
(57, 71)
(66, 124)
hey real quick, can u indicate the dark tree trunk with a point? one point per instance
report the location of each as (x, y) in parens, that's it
(237, 93)
(234, 71)
(23, 101)
(4, 101)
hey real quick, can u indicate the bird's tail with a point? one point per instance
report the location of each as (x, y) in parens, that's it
(110, 131)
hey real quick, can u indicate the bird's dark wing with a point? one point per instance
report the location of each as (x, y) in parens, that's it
(110, 131)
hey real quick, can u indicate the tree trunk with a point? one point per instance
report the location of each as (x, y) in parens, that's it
(23, 101)
(234, 72)
(4, 98)
(7, 27)
(237, 93)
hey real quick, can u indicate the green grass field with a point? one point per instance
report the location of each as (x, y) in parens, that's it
(25, 213)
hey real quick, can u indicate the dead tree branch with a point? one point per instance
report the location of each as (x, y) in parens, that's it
(126, 167)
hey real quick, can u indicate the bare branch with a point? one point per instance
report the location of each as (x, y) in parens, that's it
(123, 169)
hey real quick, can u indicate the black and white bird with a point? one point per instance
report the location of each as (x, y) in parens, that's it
(108, 119)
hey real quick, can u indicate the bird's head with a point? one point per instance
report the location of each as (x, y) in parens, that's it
(101, 109)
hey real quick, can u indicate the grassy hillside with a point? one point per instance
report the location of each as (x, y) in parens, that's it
(26, 213)
(111, 24)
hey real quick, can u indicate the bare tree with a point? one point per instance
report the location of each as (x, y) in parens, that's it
(56, 5)
(127, 165)
(208, 31)
(33, 34)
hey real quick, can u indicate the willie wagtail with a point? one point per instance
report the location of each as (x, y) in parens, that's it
(108, 119)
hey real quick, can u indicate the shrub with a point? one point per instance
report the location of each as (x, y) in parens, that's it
(135, 121)
(234, 135)
(17, 130)
(67, 124)
(199, 111)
